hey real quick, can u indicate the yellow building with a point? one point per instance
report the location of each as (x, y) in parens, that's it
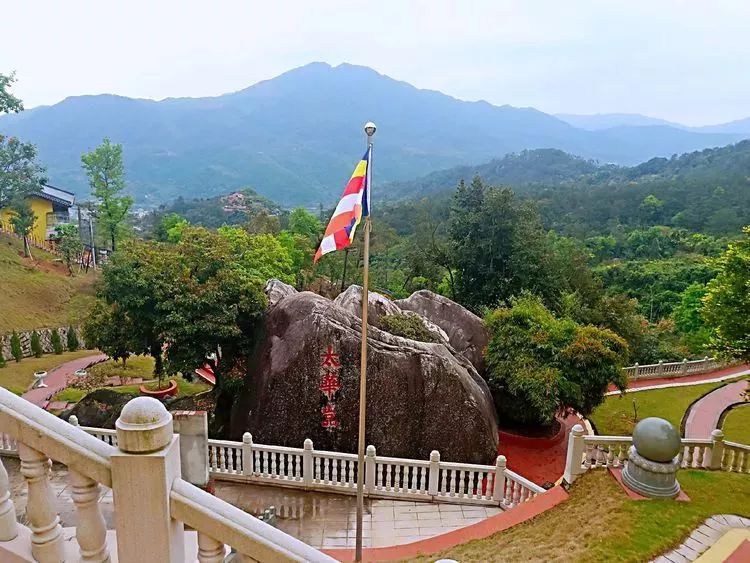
(51, 206)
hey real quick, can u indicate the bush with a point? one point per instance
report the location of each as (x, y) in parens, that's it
(408, 326)
(2, 358)
(36, 345)
(540, 365)
(72, 339)
(15, 347)
(57, 346)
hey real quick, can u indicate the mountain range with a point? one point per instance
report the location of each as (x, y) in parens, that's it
(296, 137)
(599, 121)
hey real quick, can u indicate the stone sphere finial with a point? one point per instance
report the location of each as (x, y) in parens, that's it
(144, 426)
(656, 439)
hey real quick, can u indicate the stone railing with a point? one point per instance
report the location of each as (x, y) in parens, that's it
(671, 369)
(385, 477)
(152, 501)
(593, 452)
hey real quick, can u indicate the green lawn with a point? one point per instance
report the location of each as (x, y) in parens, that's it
(17, 376)
(136, 366)
(600, 523)
(736, 425)
(615, 415)
(40, 293)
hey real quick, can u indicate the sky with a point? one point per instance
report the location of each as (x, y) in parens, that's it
(686, 61)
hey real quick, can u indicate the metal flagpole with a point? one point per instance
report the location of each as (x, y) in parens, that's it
(370, 130)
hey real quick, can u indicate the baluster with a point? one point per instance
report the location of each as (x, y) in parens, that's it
(336, 471)
(689, 451)
(442, 489)
(610, 456)
(420, 478)
(460, 484)
(8, 524)
(274, 467)
(388, 481)
(587, 456)
(91, 531)
(517, 495)
(267, 464)
(454, 482)
(209, 550)
(46, 532)
(317, 474)
(621, 454)
(729, 457)
(399, 475)
(295, 466)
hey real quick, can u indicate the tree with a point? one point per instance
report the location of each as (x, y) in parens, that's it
(15, 347)
(8, 102)
(106, 173)
(169, 227)
(20, 174)
(111, 330)
(23, 220)
(726, 306)
(72, 339)
(689, 321)
(69, 244)
(539, 365)
(56, 342)
(302, 222)
(2, 359)
(36, 345)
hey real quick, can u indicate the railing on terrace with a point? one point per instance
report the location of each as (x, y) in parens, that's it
(593, 452)
(153, 502)
(385, 477)
(671, 369)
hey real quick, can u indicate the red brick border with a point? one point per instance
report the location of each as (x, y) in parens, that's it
(503, 521)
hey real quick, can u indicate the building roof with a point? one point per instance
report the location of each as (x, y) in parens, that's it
(57, 195)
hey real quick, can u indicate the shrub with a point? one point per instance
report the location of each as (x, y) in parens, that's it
(72, 339)
(408, 326)
(57, 346)
(539, 365)
(15, 347)
(36, 345)
(2, 358)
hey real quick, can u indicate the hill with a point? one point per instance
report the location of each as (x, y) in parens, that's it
(597, 121)
(39, 293)
(295, 137)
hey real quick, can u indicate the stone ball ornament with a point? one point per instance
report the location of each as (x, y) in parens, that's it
(656, 439)
(144, 426)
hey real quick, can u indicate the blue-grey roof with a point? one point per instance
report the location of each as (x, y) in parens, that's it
(57, 195)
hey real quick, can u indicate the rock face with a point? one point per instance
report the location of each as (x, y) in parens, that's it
(466, 332)
(378, 305)
(100, 408)
(276, 290)
(416, 391)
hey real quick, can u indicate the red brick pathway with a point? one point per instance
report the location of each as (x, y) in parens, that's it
(704, 414)
(57, 378)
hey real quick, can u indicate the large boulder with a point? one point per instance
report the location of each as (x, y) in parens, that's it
(100, 408)
(276, 290)
(420, 396)
(378, 305)
(466, 332)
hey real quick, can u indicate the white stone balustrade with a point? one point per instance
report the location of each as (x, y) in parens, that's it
(671, 369)
(592, 452)
(151, 500)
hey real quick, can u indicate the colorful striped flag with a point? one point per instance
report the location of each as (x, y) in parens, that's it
(354, 204)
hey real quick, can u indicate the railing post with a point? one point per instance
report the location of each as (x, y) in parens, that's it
(307, 463)
(635, 371)
(46, 533)
(432, 487)
(660, 369)
(370, 463)
(210, 550)
(143, 470)
(717, 450)
(247, 453)
(498, 490)
(576, 448)
(684, 366)
(8, 524)
(91, 530)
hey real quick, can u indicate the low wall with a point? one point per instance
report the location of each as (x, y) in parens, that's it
(45, 339)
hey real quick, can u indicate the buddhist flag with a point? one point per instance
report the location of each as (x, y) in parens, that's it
(354, 204)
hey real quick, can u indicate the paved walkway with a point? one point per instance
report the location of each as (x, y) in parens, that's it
(703, 416)
(57, 378)
(703, 537)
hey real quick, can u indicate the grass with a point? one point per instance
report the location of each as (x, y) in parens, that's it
(736, 425)
(615, 415)
(600, 523)
(40, 293)
(17, 376)
(136, 366)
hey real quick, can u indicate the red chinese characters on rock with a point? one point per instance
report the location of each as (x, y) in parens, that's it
(329, 385)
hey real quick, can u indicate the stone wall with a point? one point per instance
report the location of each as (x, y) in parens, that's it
(45, 338)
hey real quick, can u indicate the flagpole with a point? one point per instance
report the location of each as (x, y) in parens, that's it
(370, 131)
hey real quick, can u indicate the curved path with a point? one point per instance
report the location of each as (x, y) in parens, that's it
(57, 378)
(703, 416)
(683, 381)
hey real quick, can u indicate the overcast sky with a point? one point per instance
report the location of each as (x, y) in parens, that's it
(687, 61)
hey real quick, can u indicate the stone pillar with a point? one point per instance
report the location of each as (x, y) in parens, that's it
(684, 367)
(635, 371)
(8, 524)
(434, 481)
(370, 465)
(192, 427)
(574, 458)
(307, 463)
(143, 470)
(247, 454)
(498, 489)
(717, 450)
